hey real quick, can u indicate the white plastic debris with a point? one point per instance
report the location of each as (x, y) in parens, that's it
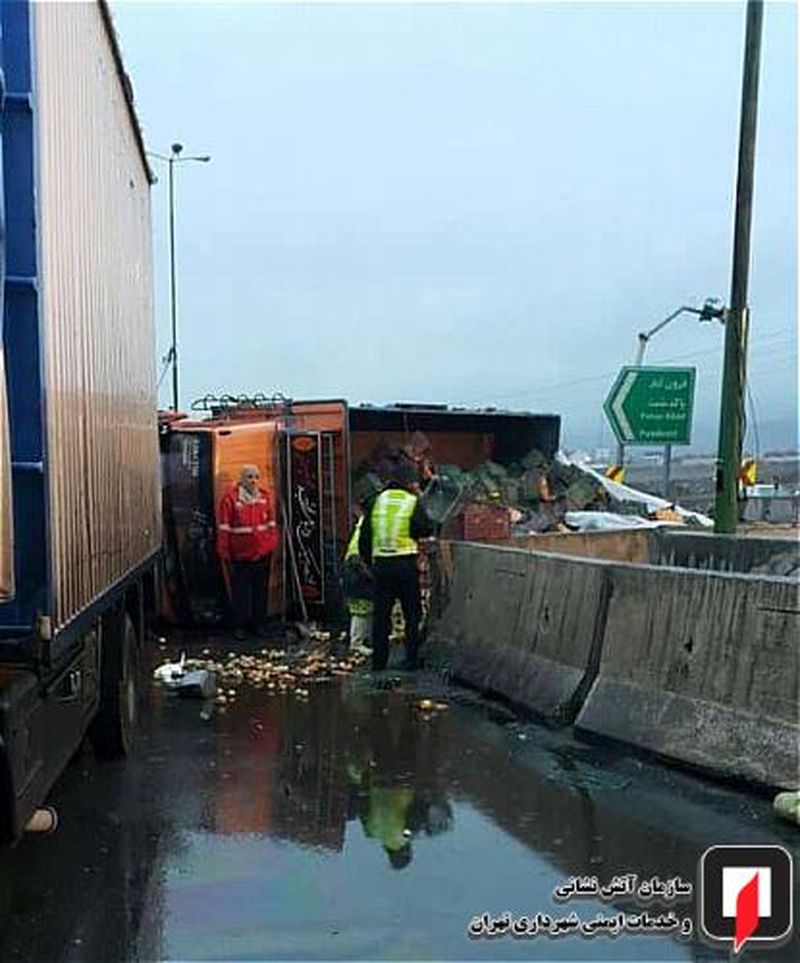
(199, 684)
(187, 678)
(171, 672)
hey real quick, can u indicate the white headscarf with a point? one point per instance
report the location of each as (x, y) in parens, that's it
(245, 494)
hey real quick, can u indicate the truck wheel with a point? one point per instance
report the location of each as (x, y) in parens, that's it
(113, 731)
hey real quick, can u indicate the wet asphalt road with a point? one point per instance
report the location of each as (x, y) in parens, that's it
(352, 826)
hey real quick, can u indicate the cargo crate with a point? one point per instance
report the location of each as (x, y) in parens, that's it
(486, 523)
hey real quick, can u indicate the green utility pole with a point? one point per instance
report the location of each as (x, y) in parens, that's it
(734, 374)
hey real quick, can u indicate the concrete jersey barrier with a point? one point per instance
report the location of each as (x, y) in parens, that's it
(702, 667)
(522, 625)
(697, 666)
(754, 555)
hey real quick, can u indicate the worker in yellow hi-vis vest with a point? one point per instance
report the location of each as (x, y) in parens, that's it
(357, 584)
(393, 523)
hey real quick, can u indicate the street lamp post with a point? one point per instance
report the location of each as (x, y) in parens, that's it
(173, 307)
(174, 158)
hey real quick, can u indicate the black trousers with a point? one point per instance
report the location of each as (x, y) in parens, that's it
(249, 588)
(395, 578)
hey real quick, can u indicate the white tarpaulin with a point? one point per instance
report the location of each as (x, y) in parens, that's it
(607, 522)
(632, 496)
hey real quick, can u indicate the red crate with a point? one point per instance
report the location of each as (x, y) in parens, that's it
(486, 523)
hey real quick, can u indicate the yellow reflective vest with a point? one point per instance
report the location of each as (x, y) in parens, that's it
(386, 819)
(352, 545)
(391, 524)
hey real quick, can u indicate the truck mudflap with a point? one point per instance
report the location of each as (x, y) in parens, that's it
(41, 727)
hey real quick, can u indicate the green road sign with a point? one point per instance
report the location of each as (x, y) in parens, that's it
(652, 406)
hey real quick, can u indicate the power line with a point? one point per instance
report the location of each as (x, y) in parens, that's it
(765, 344)
(167, 363)
(754, 420)
(754, 346)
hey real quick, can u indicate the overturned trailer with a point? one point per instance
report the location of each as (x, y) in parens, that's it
(310, 453)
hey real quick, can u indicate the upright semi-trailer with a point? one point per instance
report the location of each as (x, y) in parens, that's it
(79, 485)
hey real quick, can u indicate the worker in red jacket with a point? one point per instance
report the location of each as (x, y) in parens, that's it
(247, 535)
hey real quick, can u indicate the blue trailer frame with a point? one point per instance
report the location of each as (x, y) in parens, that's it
(21, 326)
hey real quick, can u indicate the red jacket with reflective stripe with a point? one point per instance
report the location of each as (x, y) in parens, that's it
(246, 530)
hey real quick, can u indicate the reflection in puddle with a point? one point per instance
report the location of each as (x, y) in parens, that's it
(354, 825)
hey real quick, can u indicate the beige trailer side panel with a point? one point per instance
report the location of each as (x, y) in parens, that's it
(97, 311)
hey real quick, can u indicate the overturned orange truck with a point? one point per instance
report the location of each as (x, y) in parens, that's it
(311, 453)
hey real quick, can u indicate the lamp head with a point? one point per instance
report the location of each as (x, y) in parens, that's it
(713, 309)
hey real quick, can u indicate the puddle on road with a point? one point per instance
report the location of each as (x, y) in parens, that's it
(356, 825)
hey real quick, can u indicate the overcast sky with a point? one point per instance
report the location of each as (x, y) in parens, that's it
(467, 204)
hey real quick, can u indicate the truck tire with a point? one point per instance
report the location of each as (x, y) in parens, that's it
(113, 731)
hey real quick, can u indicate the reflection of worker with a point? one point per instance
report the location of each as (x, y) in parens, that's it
(386, 820)
(357, 582)
(247, 535)
(392, 525)
(395, 781)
